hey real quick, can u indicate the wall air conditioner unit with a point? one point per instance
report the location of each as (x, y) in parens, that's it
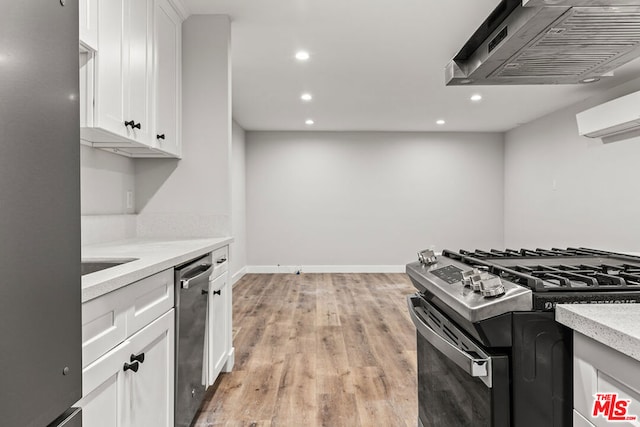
(612, 121)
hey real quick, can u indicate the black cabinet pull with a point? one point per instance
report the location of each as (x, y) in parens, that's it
(137, 358)
(217, 292)
(205, 292)
(221, 260)
(161, 136)
(133, 124)
(133, 367)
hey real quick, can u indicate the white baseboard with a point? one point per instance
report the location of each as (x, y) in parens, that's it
(238, 275)
(293, 269)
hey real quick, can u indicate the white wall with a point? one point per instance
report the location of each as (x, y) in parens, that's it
(370, 198)
(238, 249)
(105, 179)
(192, 197)
(565, 190)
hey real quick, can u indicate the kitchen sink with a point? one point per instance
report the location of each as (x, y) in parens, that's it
(89, 266)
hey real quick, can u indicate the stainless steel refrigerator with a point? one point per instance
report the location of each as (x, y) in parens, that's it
(40, 318)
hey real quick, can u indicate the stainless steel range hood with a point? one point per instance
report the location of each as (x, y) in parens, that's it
(549, 42)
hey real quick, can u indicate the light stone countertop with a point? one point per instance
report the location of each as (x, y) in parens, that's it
(154, 256)
(614, 325)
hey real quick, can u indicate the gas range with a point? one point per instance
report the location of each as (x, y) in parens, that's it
(486, 332)
(526, 279)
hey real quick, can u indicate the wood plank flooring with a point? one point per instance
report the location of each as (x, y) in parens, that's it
(318, 350)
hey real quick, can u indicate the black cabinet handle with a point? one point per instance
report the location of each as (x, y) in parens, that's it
(205, 292)
(217, 292)
(161, 136)
(133, 367)
(133, 124)
(137, 358)
(221, 260)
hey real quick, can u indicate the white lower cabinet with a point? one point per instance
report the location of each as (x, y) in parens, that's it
(602, 373)
(150, 390)
(219, 326)
(128, 355)
(102, 389)
(133, 384)
(580, 421)
(219, 351)
(128, 347)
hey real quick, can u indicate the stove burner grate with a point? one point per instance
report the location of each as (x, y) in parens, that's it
(579, 270)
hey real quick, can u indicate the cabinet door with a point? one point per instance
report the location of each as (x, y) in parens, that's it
(88, 12)
(580, 421)
(102, 388)
(168, 64)
(139, 63)
(601, 369)
(218, 333)
(110, 68)
(150, 391)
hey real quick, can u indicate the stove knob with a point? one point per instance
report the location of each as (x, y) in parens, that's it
(427, 257)
(491, 287)
(466, 277)
(476, 280)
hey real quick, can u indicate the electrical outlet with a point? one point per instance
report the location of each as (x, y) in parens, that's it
(129, 199)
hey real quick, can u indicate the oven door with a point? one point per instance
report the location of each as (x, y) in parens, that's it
(459, 382)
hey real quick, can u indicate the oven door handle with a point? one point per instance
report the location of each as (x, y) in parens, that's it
(474, 366)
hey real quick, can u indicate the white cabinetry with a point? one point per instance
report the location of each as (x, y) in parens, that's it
(220, 352)
(150, 390)
(599, 369)
(88, 12)
(129, 355)
(138, 71)
(102, 389)
(168, 65)
(121, 82)
(218, 326)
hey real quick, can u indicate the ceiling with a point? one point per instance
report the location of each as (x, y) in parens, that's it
(376, 65)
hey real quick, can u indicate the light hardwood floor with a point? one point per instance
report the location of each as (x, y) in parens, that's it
(318, 350)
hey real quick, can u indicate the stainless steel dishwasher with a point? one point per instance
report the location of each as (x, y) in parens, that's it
(191, 289)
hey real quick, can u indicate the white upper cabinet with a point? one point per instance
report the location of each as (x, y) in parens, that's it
(134, 67)
(168, 30)
(109, 77)
(88, 11)
(138, 70)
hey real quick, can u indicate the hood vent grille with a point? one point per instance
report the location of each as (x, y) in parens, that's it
(584, 42)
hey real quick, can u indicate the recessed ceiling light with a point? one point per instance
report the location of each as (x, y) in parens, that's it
(309, 122)
(466, 81)
(476, 97)
(306, 97)
(590, 80)
(440, 122)
(302, 55)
